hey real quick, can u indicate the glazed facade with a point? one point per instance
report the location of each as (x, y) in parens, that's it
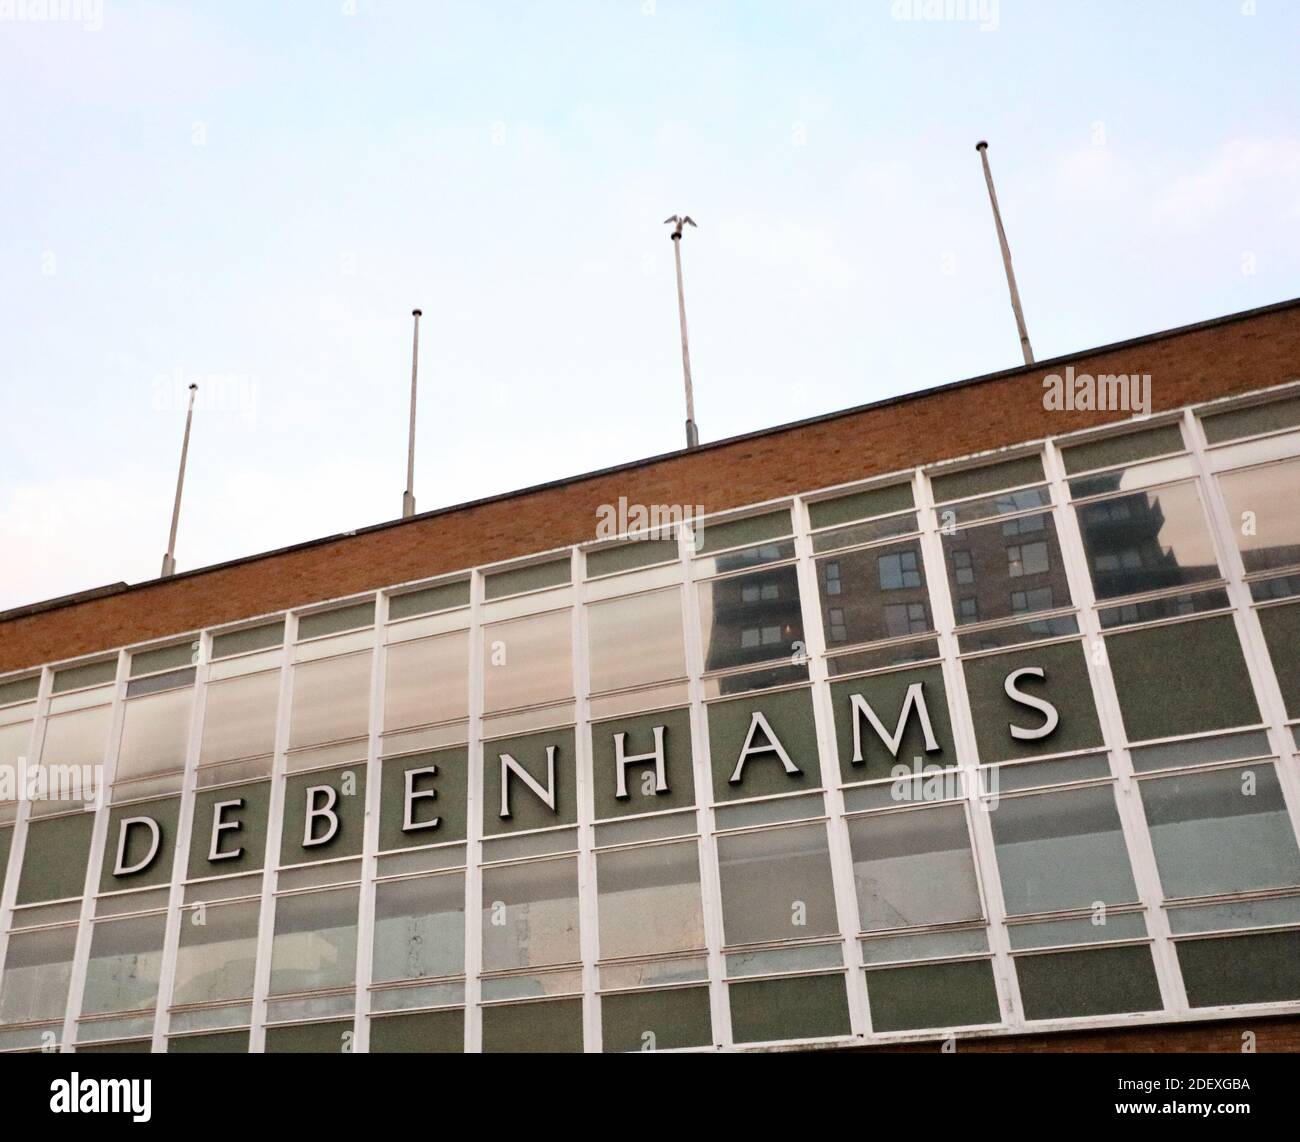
(997, 745)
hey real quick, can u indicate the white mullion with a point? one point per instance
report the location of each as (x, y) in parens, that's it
(702, 774)
(965, 742)
(274, 829)
(370, 834)
(588, 932)
(474, 824)
(22, 810)
(843, 880)
(1259, 663)
(1146, 876)
(180, 856)
(95, 858)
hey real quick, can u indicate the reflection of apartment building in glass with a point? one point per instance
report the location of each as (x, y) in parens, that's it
(481, 781)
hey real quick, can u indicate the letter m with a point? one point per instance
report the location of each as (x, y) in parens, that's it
(915, 699)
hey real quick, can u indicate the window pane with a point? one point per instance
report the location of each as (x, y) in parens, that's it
(125, 962)
(331, 700)
(420, 928)
(656, 1020)
(1145, 541)
(315, 944)
(1060, 851)
(427, 681)
(776, 885)
(527, 661)
(155, 733)
(874, 594)
(650, 900)
(78, 738)
(652, 624)
(1222, 831)
(1264, 968)
(1101, 981)
(914, 868)
(809, 1008)
(750, 618)
(960, 994)
(239, 717)
(38, 968)
(1269, 495)
(1000, 570)
(1181, 679)
(215, 959)
(530, 915)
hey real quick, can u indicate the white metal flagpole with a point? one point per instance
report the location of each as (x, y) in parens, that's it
(169, 560)
(983, 149)
(408, 497)
(692, 433)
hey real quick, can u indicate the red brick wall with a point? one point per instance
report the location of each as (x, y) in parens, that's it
(1236, 355)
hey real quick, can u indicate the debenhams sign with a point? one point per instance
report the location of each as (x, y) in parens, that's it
(759, 745)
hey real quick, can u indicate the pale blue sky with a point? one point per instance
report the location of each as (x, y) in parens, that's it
(255, 195)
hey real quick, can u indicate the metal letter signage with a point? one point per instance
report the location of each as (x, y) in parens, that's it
(409, 823)
(758, 722)
(120, 869)
(547, 795)
(314, 811)
(915, 698)
(622, 761)
(1052, 718)
(219, 826)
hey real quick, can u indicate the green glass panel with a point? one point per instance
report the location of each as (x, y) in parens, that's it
(95, 674)
(711, 537)
(656, 1020)
(933, 995)
(627, 556)
(1251, 421)
(54, 858)
(553, 1027)
(789, 714)
(165, 658)
(332, 622)
(349, 785)
(886, 694)
(1125, 449)
(448, 808)
(1101, 981)
(1264, 968)
(310, 1039)
(242, 641)
(640, 777)
(1281, 627)
(992, 478)
(219, 1043)
(861, 505)
(1181, 679)
(423, 1032)
(1065, 684)
(139, 839)
(527, 810)
(440, 598)
(130, 1047)
(250, 836)
(532, 578)
(21, 690)
(809, 1007)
